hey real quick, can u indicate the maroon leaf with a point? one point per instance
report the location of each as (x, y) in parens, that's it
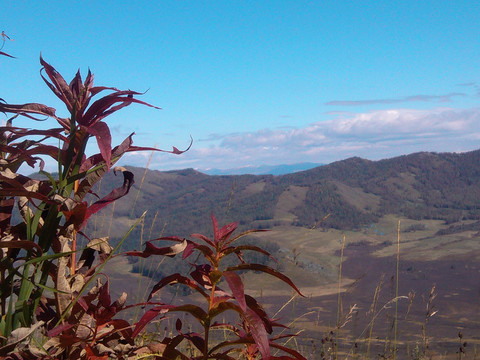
(255, 306)
(151, 314)
(242, 235)
(235, 284)
(114, 195)
(223, 233)
(222, 306)
(188, 250)
(123, 326)
(201, 275)
(21, 132)
(105, 106)
(91, 179)
(205, 250)
(27, 109)
(12, 187)
(58, 84)
(259, 334)
(196, 340)
(204, 238)
(96, 159)
(296, 355)
(265, 269)
(148, 317)
(104, 295)
(176, 279)
(235, 249)
(151, 249)
(104, 140)
(174, 151)
(5, 54)
(21, 244)
(6, 207)
(59, 329)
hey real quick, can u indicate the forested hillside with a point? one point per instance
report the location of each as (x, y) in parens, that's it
(355, 192)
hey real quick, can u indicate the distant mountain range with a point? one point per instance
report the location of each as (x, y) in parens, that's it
(262, 169)
(353, 192)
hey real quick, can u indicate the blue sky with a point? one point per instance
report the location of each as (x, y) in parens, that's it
(262, 82)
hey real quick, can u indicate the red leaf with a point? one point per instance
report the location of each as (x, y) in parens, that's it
(235, 284)
(105, 106)
(258, 309)
(104, 140)
(265, 269)
(59, 329)
(58, 84)
(21, 132)
(205, 250)
(6, 207)
(91, 179)
(296, 355)
(194, 310)
(114, 195)
(204, 238)
(26, 109)
(95, 160)
(196, 339)
(259, 333)
(148, 317)
(104, 295)
(5, 54)
(188, 250)
(151, 249)
(176, 279)
(124, 327)
(201, 275)
(237, 249)
(222, 234)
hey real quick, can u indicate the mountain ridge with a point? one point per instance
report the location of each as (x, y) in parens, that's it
(354, 192)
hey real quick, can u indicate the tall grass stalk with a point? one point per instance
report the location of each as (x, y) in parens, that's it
(396, 294)
(373, 309)
(339, 299)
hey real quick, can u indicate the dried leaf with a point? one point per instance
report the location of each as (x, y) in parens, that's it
(17, 336)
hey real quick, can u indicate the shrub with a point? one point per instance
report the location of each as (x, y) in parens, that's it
(76, 317)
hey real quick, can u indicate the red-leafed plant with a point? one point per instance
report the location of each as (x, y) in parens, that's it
(55, 305)
(39, 249)
(223, 290)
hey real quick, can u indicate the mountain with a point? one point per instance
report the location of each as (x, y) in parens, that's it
(263, 169)
(353, 193)
(435, 195)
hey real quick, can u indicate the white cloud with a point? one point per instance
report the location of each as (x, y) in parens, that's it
(372, 135)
